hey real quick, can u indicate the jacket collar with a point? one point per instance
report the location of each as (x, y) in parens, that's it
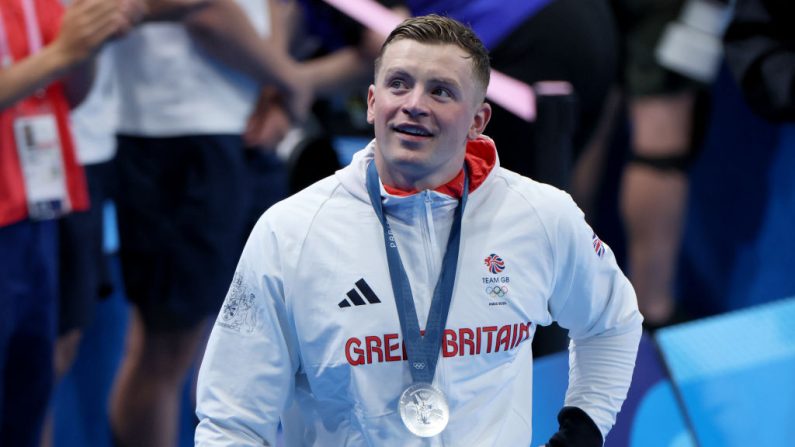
(481, 159)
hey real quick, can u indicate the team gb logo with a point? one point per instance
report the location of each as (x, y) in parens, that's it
(494, 263)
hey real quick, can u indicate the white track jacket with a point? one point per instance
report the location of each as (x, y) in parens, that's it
(309, 334)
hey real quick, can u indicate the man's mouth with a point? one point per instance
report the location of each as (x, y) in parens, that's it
(413, 130)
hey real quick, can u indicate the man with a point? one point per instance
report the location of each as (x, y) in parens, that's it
(321, 327)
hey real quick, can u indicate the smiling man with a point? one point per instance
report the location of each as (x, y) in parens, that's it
(393, 304)
(425, 104)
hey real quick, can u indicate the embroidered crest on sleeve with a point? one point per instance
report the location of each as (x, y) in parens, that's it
(239, 312)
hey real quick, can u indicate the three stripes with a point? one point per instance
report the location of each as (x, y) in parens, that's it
(355, 298)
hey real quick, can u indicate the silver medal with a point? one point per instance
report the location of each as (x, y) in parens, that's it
(424, 410)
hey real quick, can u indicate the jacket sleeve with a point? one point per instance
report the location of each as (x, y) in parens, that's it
(247, 374)
(593, 300)
(760, 51)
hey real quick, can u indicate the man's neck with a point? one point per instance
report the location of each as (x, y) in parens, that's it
(410, 182)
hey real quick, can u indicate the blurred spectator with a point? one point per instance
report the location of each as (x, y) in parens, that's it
(84, 270)
(760, 50)
(265, 176)
(340, 53)
(84, 273)
(670, 52)
(186, 92)
(45, 53)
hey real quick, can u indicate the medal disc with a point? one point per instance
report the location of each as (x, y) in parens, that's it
(424, 410)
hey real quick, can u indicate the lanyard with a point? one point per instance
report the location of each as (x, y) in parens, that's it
(32, 28)
(5, 51)
(422, 351)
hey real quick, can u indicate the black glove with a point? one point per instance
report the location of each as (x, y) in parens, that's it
(577, 429)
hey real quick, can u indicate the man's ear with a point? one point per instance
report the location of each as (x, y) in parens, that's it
(479, 122)
(371, 104)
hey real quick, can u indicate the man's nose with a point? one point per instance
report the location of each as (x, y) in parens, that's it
(415, 104)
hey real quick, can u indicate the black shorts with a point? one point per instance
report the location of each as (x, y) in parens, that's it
(84, 273)
(180, 208)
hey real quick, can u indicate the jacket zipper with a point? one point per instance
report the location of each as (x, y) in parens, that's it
(431, 247)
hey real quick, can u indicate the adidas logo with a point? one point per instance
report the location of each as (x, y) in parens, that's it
(355, 298)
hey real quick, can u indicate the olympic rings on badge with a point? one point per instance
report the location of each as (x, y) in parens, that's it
(496, 291)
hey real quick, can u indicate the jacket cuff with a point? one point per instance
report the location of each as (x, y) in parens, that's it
(577, 429)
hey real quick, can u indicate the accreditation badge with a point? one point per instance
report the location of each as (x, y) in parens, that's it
(424, 410)
(41, 158)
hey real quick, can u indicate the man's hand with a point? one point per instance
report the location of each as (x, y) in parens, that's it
(87, 24)
(268, 123)
(134, 11)
(300, 93)
(576, 429)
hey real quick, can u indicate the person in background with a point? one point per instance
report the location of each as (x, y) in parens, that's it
(665, 73)
(322, 332)
(84, 270)
(278, 166)
(186, 91)
(47, 67)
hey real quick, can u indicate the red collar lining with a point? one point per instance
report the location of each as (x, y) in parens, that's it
(481, 157)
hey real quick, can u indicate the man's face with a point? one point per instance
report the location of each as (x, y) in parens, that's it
(424, 105)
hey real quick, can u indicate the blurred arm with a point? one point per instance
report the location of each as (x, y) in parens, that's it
(224, 31)
(25, 77)
(349, 66)
(86, 25)
(340, 69)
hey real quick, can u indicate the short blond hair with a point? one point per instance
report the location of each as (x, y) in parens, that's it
(436, 29)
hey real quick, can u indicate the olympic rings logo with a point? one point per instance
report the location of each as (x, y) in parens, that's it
(496, 291)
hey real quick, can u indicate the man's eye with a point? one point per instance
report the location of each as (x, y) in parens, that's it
(397, 84)
(443, 92)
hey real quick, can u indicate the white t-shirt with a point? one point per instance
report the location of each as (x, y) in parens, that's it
(169, 86)
(94, 121)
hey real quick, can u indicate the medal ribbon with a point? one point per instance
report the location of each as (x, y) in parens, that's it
(422, 350)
